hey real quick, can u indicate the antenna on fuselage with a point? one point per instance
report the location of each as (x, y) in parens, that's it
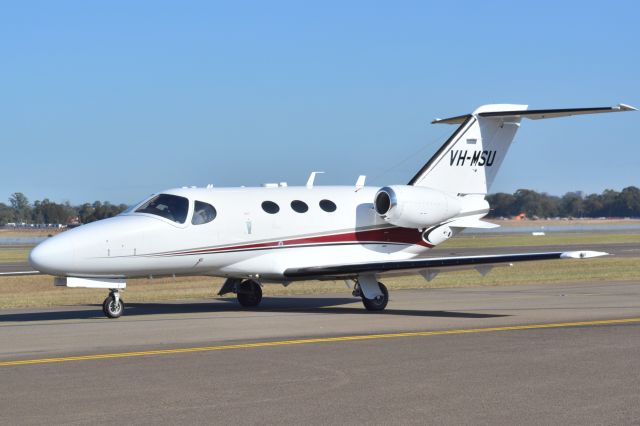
(360, 182)
(312, 178)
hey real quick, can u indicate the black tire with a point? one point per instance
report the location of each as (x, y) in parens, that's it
(110, 309)
(380, 302)
(104, 303)
(249, 294)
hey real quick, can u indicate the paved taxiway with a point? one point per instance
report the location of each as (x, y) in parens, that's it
(573, 374)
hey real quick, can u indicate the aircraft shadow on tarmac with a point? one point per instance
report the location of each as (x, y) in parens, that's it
(312, 305)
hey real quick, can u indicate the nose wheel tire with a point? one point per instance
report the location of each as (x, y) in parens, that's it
(249, 293)
(380, 302)
(111, 308)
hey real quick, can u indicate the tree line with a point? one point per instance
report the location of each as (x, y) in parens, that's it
(609, 203)
(20, 210)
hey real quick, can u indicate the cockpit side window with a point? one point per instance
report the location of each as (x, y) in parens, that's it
(169, 206)
(203, 213)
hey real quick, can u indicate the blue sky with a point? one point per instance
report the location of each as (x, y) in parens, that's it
(115, 100)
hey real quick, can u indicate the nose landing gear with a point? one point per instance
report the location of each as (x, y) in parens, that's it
(113, 305)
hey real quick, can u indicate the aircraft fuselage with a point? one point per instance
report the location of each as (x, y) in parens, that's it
(243, 240)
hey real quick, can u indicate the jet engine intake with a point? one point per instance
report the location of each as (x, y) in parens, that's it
(414, 206)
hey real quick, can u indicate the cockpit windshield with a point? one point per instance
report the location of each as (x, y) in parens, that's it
(171, 207)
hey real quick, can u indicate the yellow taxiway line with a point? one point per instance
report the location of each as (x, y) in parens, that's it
(316, 340)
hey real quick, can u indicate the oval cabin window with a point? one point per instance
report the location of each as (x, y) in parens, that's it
(299, 206)
(328, 206)
(270, 207)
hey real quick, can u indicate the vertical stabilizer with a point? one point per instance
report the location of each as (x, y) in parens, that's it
(468, 161)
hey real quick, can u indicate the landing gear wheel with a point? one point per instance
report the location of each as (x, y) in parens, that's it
(380, 302)
(249, 293)
(112, 309)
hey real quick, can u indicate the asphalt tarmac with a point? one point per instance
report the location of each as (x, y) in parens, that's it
(543, 354)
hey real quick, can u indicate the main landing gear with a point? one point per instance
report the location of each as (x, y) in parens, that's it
(378, 303)
(249, 293)
(113, 306)
(374, 294)
(378, 297)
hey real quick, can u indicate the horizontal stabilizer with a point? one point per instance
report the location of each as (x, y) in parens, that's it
(536, 114)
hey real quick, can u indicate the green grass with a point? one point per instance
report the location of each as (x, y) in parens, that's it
(11, 233)
(14, 254)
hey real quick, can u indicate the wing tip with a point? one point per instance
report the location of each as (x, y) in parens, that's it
(583, 254)
(625, 107)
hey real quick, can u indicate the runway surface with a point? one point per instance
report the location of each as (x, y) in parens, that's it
(543, 354)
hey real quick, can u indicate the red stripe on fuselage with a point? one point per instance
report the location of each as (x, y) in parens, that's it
(384, 235)
(373, 236)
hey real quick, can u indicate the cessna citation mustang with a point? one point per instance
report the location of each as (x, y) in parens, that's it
(280, 234)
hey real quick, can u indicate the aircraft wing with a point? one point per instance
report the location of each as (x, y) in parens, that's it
(439, 263)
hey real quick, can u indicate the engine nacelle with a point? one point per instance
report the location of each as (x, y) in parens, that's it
(437, 235)
(415, 206)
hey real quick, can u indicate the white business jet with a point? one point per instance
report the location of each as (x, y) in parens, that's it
(280, 234)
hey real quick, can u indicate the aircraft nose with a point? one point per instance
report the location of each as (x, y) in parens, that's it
(53, 256)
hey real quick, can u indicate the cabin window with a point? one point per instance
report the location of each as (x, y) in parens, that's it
(169, 206)
(328, 206)
(270, 207)
(203, 213)
(299, 206)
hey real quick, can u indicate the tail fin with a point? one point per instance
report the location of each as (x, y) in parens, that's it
(469, 160)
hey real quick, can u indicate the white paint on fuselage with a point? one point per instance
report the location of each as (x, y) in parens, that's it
(140, 244)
